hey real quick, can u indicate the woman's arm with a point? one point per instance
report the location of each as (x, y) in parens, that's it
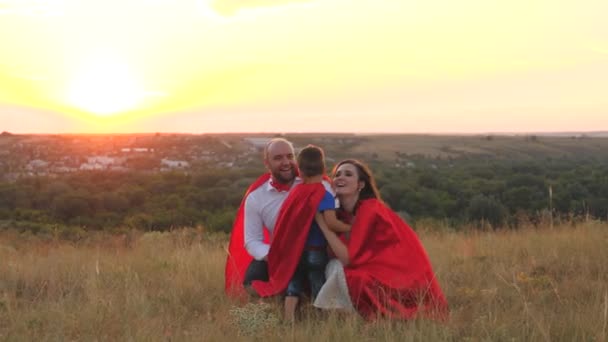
(333, 240)
(333, 223)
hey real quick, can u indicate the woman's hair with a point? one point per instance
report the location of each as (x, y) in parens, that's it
(369, 190)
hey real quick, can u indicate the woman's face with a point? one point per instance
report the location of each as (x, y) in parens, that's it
(346, 180)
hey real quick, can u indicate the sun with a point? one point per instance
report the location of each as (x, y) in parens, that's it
(104, 86)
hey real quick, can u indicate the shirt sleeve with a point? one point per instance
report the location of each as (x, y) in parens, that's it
(329, 189)
(254, 230)
(327, 203)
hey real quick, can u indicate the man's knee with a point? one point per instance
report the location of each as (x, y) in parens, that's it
(257, 270)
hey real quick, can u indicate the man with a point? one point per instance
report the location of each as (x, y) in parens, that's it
(248, 249)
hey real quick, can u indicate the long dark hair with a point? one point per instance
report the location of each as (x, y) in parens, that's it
(369, 190)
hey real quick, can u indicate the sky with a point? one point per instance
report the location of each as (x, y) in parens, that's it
(393, 66)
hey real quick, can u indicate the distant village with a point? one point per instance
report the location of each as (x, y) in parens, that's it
(53, 155)
(27, 155)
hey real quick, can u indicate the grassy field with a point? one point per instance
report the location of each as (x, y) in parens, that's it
(531, 284)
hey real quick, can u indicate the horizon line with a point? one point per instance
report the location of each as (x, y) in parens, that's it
(498, 133)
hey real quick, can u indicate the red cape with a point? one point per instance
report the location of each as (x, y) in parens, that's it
(238, 259)
(389, 273)
(290, 234)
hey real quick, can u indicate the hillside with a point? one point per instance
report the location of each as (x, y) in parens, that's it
(387, 147)
(339, 145)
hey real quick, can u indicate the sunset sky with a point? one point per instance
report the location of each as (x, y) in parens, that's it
(432, 66)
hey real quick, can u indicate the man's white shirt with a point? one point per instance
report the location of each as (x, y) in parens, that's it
(261, 210)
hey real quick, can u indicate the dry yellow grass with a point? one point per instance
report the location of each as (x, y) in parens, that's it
(546, 285)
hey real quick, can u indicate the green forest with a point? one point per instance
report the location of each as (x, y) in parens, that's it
(502, 193)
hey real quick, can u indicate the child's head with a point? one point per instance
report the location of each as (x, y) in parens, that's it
(311, 161)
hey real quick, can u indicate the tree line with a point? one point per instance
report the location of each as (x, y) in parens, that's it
(501, 193)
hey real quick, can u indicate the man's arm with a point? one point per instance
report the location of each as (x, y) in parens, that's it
(333, 223)
(254, 230)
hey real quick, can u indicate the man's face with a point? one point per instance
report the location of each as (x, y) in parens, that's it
(280, 161)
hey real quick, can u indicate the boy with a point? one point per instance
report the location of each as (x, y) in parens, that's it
(311, 267)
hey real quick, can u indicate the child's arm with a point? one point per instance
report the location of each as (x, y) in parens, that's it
(334, 242)
(333, 223)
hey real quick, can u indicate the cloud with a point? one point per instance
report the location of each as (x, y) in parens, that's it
(231, 7)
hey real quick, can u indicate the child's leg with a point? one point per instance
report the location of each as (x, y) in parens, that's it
(292, 295)
(315, 264)
(291, 302)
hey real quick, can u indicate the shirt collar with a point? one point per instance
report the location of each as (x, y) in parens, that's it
(271, 187)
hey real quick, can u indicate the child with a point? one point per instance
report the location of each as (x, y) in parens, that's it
(313, 260)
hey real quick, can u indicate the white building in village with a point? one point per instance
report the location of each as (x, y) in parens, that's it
(92, 167)
(37, 165)
(102, 160)
(136, 150)
(169, 164)
(101, 163)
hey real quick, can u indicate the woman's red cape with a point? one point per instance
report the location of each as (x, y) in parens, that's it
(289, 238)
(389, 273)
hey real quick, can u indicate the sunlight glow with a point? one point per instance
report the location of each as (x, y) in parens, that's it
(105, 86)
(368, 65)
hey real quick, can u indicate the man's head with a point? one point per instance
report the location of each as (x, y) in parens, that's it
(279, 159)
(311, 161)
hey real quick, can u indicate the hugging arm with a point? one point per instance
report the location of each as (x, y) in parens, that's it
(333, 223)
(333, 240)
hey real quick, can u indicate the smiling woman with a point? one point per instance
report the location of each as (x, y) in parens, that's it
(104, 86)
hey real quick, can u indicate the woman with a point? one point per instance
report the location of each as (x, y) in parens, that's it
(381, 267)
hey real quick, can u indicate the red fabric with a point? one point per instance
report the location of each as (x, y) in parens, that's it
(389, 273)
(290, 234)
(238, 258)
(279, 186)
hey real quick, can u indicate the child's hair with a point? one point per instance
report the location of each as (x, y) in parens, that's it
(311, 161)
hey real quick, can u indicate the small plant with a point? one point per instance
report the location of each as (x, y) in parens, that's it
(254, 318)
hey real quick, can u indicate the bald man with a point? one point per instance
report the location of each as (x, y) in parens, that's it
(262, 205)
